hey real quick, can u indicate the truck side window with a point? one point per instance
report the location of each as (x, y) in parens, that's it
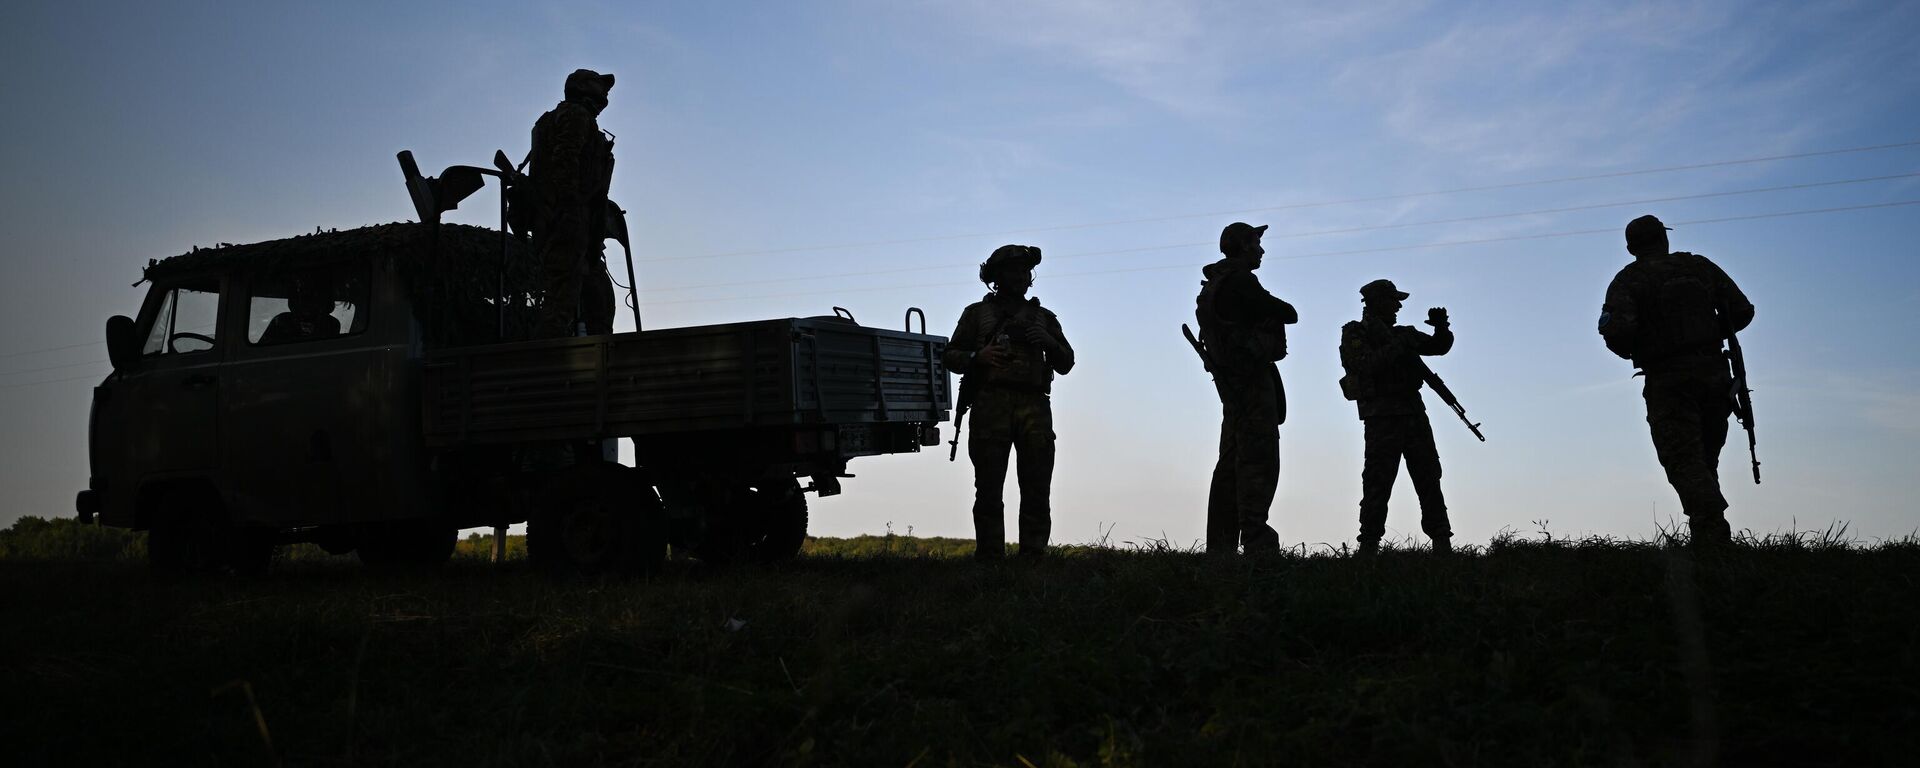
(186, 321)
(308, 304)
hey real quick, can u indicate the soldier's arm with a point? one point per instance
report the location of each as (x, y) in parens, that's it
(1439, 343)
(1733, 302)
(1619, 318)
(1259, 305)
(962, 344)
(1060, 357)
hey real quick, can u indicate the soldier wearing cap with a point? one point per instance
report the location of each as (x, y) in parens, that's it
(1669, 313)
(1384, 374)
(1244, 331)
(1010, 348)
(572, 169)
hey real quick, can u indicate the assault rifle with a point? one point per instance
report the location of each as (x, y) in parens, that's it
(962, 402)
(1446, 396)
(1743, 398)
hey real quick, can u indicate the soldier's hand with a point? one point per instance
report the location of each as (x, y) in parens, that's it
(1039, 337)
(1437, 316)
(992, 356)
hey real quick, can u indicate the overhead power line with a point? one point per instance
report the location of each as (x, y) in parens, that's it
(1298, 206)
(1324, 203)
(1316, 233)
(1191, 265)
(1351, 252)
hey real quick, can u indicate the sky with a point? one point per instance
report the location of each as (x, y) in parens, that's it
(779, 159)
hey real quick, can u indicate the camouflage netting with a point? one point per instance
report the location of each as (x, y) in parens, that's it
(452, 275)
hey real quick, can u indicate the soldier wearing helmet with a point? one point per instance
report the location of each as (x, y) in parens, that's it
(1244, 331)
(1670, 312)
(1384, 376)
(1010, 348)
(572, 169)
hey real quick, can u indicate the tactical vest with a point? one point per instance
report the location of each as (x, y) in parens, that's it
(1678, 307)
(1026, 367)
(595, 168)
(1378, 363)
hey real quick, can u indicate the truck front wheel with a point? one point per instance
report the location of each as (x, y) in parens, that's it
(190, 535)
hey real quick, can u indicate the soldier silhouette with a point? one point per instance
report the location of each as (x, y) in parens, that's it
(1669, 313)
(1243, 330)
(1010, 348)
(1383, 378)
(572, 170)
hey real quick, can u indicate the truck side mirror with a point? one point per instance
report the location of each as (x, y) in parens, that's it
(123, 348)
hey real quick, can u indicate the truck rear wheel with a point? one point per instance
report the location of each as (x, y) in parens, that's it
(602, 519)
(761, 523)
(782, 513)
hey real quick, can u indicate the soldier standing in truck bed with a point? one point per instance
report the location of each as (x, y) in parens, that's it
(1010, 347)
(1244, 330)
(572, 170)
(1669, 313)
(1384, 375)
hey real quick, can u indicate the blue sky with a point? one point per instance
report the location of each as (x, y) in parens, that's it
(894, 144)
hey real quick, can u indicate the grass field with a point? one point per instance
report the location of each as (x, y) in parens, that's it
(893, 651)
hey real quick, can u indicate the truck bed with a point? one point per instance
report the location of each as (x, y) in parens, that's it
(767, 373)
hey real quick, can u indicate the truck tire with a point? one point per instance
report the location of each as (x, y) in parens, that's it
(761, 523)
(410, 544)
(602, 520)
(190, 536)
(781, 511)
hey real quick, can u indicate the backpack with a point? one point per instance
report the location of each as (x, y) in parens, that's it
(1678, 306)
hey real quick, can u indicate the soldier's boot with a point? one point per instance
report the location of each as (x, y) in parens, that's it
(1711, 533)
(1443, 546)
(1368, 549)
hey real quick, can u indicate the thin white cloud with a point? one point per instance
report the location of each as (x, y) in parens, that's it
(1597, 85)
(1185, 57)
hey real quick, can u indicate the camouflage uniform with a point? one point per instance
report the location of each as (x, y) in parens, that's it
(572, 170)
(1384, 376)
(1244, 329)
(1669, 315)
(1012, 411)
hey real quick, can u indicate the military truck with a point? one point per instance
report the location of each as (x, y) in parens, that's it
(375, 391)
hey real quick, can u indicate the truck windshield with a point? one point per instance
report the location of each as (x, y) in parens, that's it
(186, 321)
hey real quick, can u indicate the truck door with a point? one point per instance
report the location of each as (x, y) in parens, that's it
(296, 418)
(170, 402)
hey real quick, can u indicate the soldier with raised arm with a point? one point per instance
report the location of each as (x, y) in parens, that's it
(1670, 313)
(572, 169)
(1243, 330)
(1383, 378)
(1009, 347)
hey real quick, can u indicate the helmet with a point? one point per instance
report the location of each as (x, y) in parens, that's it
(1009, 255)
